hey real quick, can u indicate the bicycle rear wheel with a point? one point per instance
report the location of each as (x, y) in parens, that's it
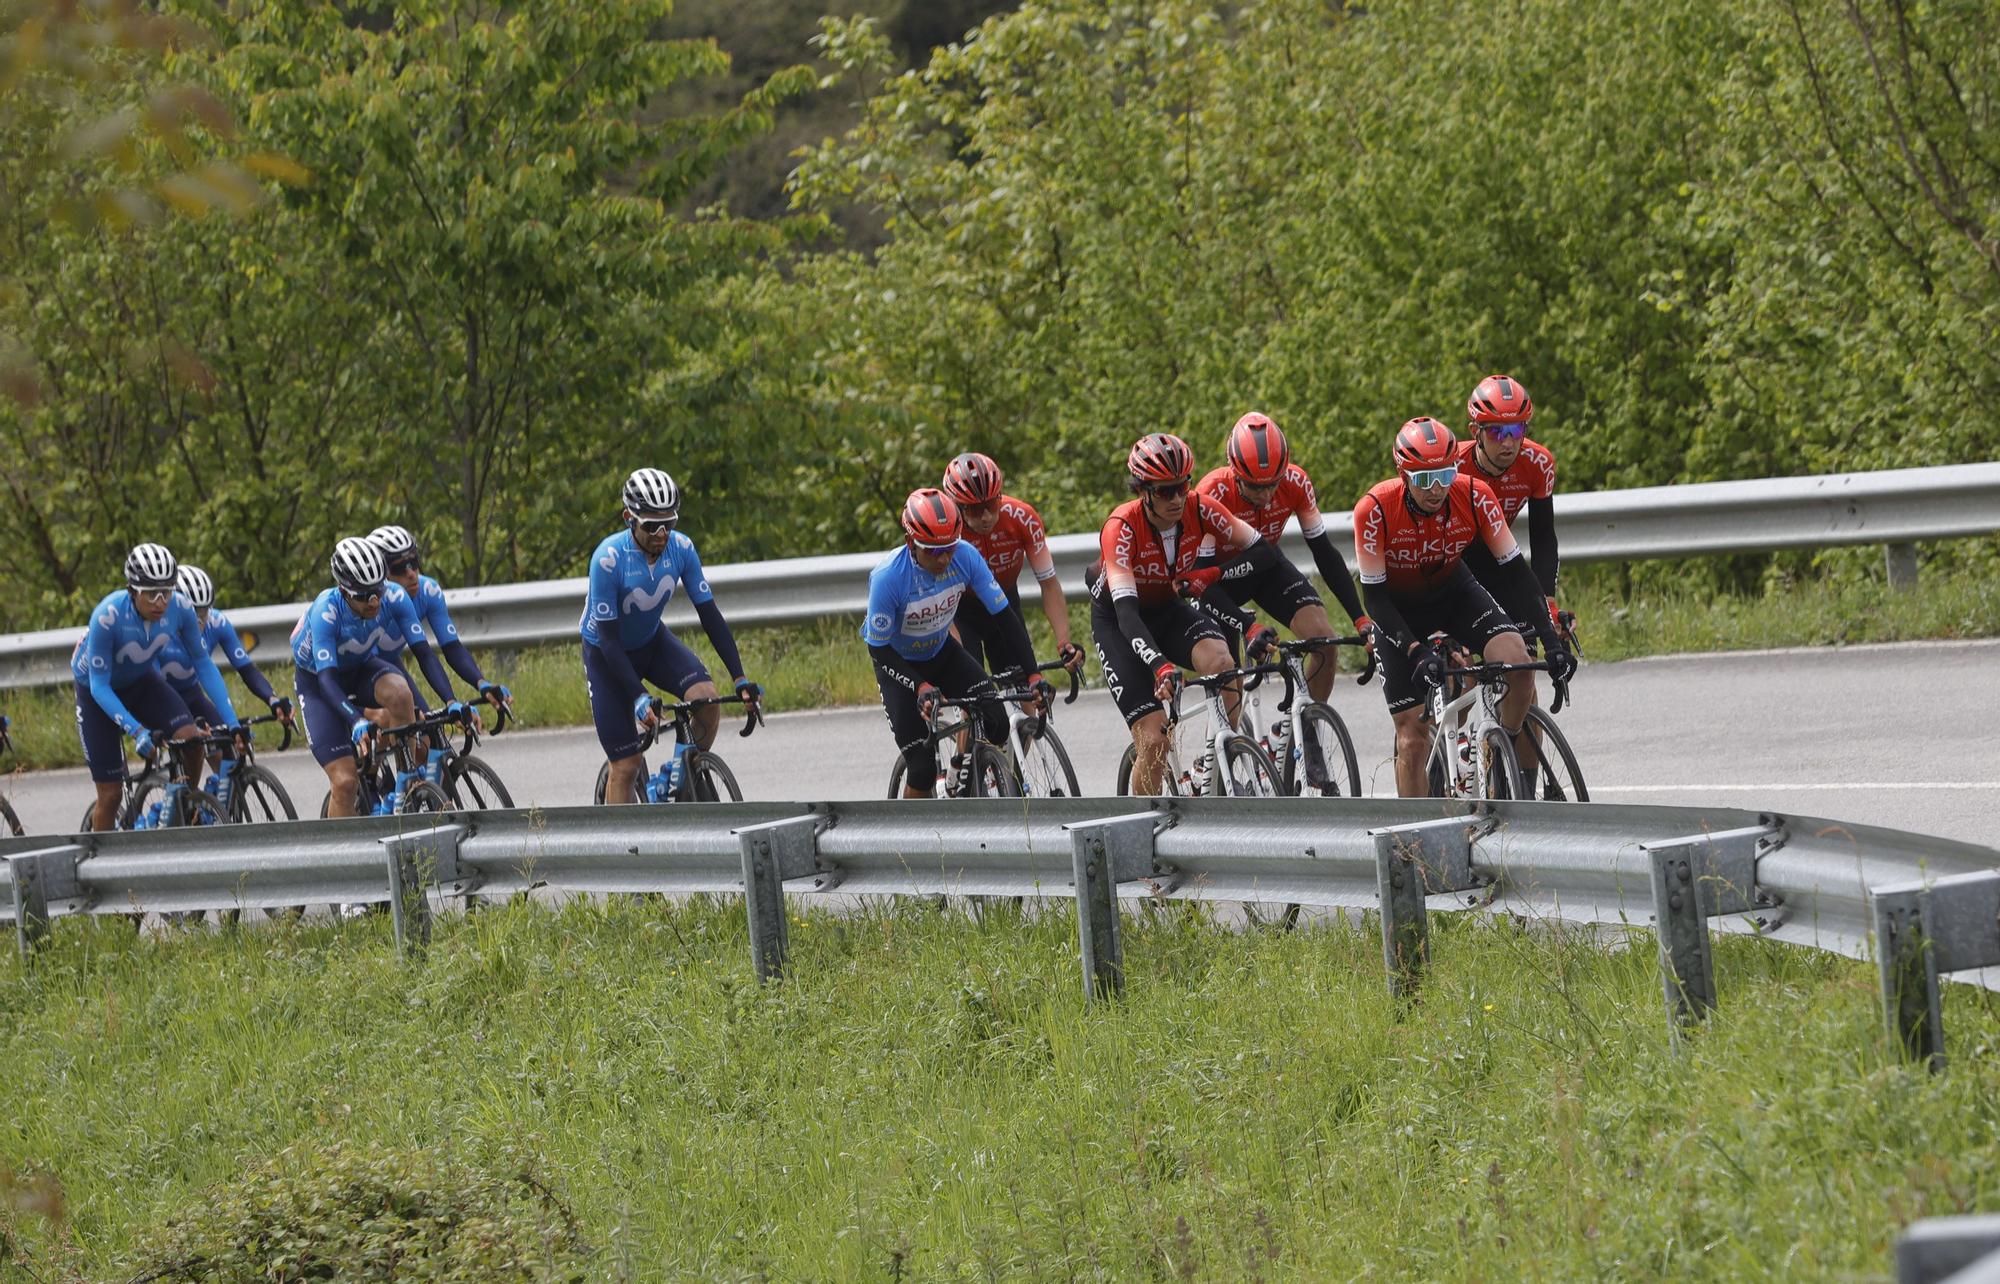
(991, 776)
(1169, 786)
(1499, 768)
(604, 782)
(1557, 778)
(423, 798)
(260, 798)
(1325, 764)
(1045, 770)
(711, 779)
(474, 786)
(140, 794)
(1248, 771)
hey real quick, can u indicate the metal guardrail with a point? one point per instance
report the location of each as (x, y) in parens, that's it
(1950, 1250)
(1895, 508)
(1922, 907)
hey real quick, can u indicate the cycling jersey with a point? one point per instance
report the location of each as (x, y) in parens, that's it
(633, 590)
(330, 636)
(910, 609)
(1294, 497)
(1017, 539)
(1141, 562)
(178, 666)
(431, 609)
(120, 647)
(1414, 553)
(1532, 475)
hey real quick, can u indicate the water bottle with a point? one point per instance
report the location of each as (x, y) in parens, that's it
(677, 771)
(1198, 779)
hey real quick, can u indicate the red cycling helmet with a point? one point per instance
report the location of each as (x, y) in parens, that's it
(1257, 450)
(931, 518)
(1499, 400)
(1425, 443)
(1160, 457)
(972, 478)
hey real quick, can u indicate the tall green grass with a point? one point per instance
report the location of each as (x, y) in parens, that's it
(926, 1097)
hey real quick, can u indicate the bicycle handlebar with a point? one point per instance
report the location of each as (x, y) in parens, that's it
(681, 710)
(1485, 671)
(1213, 681)
(1018, 677)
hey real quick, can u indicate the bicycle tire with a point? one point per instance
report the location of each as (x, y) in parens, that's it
(1050, 744)
(1124, 782)
(1240, 751)
(1332, 729)
(1568, 785)
(473, 785)
(1498, 765)
(13, 822)
(604, 782)
(260, 798)
(709, 777)
(138, 797)
(423, 798)
(992, 775)
(896, 778)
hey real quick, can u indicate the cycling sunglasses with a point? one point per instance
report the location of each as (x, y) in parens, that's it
(1425, 478)
(1167, 490)
(405, 566)
(1505, 432)
(152, 592)
(935, 549)
(369, 595)
(654, 525)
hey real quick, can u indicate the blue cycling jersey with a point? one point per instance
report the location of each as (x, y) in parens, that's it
(177, 666)
(431, 609)
(628, 587)
(331, 636)
(119, 647)
(910, 610)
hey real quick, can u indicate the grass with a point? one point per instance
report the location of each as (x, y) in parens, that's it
(824, 664)
(929, 1097)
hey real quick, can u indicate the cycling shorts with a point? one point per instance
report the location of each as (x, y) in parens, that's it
(201, 706)
(1466, 613)
(663, 660)
(979, 629)
(956, 674)
(150, 698)
(329, 732)
(1175, 625)
(1487, 572)
(1280, 590)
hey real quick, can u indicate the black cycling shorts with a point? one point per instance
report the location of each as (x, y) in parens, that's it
(1465, 612)
(952, 672)
(1175, 625)
(979, 631)
(1487, 572)
(1280, 590)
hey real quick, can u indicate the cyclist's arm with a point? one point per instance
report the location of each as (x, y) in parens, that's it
(455, 652)
(205, 671)
(460, 659)
(427, 660)
(246, 668)
(1370, 534)
(1516, 587)
(719, 636)
(412, 625)
(322, 643)
(890, 661)
(1043, 564)
(327, 683)
(97, 644)
(1542, 542)
(1017, 649)
(619, 661)
(1333, 569)
(1123, 586)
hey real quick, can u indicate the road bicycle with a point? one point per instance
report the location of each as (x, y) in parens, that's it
(8, 820)
(1244, 771)
(689, 773)
(1471, 755)
(1034, 754)
(1309, 741)
(469, 780)
(982, 769)
(1558, 778)
(395, 778)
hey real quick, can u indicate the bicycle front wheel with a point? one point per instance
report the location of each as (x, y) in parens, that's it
(141, 793)
(1499, 768)
(1324, 765)
(1557, 778)
(991, 776)
(1169, 786)
(1248, 771)
(711, 779)
(10, 820)
(423, 798)
(260, 798)
(604, 783)
(475, 786)
(1045, 770)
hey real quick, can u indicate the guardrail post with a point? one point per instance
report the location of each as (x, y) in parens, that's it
(1940, 1248)
(1695, 878)
(417, 861)
(1902, 563)
(772, 853)
(1922, 931)
(1412, 862)
(1103, 854)
(41, 877)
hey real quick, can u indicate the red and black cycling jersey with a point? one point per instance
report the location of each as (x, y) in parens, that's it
(1294, 497)
(1414, 553)
(1142, 562)
(1017, 539)
(1532, 475)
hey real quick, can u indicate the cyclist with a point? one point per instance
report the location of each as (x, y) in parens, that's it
(1410, 536)
(1520, 471)
(913, 594)
(1262, 485)
(1144, 633)
(633, 575)
(405, 566)
(119, 688)
(1008, 533)
(216, 631)
(347, 655)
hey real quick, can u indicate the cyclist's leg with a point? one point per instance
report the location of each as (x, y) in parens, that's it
(205, 713)
(1131, 686)
(1194, 639)
(327, 737)
(617, 734)
(104, 751)
(906, 724)
(961, 677)
(1286, 594)
(1406, 701)
(673, 667)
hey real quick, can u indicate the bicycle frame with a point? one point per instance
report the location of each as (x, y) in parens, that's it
(670, 781)
(1213, 757)
(1473, 714)
(1291, 731)
(407, 773)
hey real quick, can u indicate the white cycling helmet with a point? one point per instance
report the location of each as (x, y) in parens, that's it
(358, 567)
(651, 491)
(394, 541)
(194, 582)
(150, 566)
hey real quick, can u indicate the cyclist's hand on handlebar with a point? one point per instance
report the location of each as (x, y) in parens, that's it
(751, 692)
(1198, 581)
(1166, 680)
(142, 744)
(646, 711)
(1562, 663)
(1071, 656)
(495, 694)
(461, 710)
(281, 708)
(928, 697)
(1044, 697)
(362, 730)
(1257, 643)
(1427, 665)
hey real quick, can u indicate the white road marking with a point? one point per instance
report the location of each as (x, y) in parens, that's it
(1941, 644)
(1596, 788)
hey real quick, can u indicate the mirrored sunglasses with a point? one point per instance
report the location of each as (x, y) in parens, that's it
(654, 525)
(1168, 490)
(1425, 478)
(1504, 432)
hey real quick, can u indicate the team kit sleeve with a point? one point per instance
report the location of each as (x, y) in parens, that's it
(1013, 629)
(189, 631)
(1114, 545)
(703, 599)
(239, 659)
(1040, 560)
(1371, 533)
(885, 607)
(1517, 590)
(437, 615)
(411, 625)
(1542, 518)
(600, 604)
(99, 641)
(1326, 557)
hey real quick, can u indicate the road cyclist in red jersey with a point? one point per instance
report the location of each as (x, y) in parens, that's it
(1410, 537)
(1261, 485)
(1521, 473)
(1144, 632)
(1008, 533)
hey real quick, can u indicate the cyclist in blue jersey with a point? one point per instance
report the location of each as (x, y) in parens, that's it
(633, 575)
(119, 688)
(216, 631)
(346, 654)
(912, 596)
(405, 564)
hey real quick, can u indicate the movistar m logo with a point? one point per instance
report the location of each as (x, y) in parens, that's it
(376, 639)
(133, 653)
(641, 600)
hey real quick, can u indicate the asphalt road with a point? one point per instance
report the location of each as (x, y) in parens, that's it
(1906, 736)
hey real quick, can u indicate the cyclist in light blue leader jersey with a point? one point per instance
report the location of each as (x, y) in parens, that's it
(405, 566)
(633, 575)
(119, 688)
(347, 657)
(177, 666)
(912, 596)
